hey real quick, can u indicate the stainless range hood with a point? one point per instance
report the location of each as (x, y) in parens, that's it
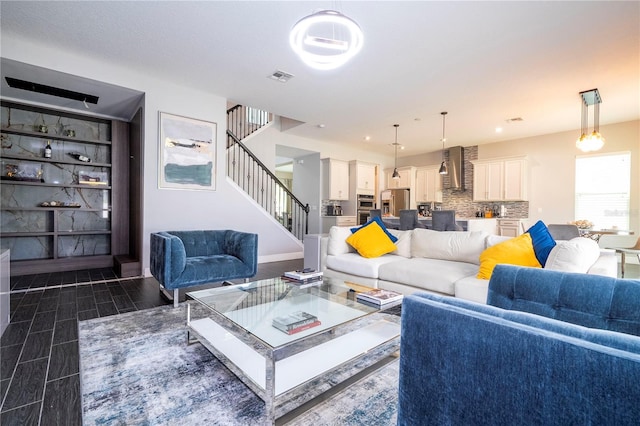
(455, 177)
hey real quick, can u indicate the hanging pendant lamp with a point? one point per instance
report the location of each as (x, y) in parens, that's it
(443, 167)
(594, 141)
(395, 174)
(325, 40)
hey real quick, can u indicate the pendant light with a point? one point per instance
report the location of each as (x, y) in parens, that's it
(443, 167)
(395, 174)
(325, 40)
(594, 141)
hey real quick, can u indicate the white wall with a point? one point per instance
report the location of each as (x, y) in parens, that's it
(225, 208)
(552, 169)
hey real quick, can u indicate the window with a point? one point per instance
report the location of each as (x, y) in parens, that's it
(603, 186)
(257, 116)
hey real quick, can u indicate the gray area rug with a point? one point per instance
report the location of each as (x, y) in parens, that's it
(136, 369)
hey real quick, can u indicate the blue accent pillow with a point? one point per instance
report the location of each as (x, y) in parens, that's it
(381, 223)
(542, 240)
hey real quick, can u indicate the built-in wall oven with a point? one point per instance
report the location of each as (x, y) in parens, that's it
(365, 204)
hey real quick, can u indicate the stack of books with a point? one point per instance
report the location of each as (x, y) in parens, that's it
(379, 297)
(295, 322)
(303, 276)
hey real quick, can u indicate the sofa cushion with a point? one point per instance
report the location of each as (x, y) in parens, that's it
(371, 241)
(380, 223)
(448, 245)
(403, 245)
(575, 255)
(542, 240)
(516, 251)
(337, 243)
(472, 288)
(429, 274)
(354, 264)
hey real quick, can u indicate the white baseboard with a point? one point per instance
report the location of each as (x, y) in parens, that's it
(280, 257)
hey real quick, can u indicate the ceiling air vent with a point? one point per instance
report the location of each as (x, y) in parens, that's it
(281, 76)
(511, 120)
(50, 90)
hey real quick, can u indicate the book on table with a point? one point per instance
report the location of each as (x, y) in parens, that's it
(311, 282)
(303, 274)
(295, 322)
(379, 296)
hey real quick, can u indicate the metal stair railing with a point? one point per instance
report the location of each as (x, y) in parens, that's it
(250, 174)
(243, 120)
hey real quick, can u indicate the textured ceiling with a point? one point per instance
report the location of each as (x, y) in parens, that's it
(483, 62)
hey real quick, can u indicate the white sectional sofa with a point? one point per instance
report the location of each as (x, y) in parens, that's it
(443, 262)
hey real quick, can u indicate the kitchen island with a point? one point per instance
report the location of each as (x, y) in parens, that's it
(490, 226)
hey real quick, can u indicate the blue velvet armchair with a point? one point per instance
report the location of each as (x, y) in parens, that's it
(182, 259)
(550, 348)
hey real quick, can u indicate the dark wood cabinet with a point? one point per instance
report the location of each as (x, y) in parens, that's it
(60, 213)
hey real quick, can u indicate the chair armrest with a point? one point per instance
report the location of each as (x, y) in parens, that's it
(168, 257)
(244, 246)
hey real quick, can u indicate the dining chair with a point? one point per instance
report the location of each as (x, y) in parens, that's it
(444, 220)
(624, 251)
(563, 231)
(409, 220)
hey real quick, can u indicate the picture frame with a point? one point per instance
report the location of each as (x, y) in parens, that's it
(187, 149)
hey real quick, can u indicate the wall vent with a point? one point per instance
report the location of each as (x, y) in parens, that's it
(281, 76)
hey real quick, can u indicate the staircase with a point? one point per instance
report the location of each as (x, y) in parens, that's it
(250, 174)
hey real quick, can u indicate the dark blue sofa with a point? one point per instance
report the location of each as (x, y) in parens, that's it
(550, 348)
(182, 259)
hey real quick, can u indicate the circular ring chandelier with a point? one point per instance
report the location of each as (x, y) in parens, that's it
(324, 51)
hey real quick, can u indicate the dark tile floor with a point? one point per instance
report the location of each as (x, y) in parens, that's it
(39, 368)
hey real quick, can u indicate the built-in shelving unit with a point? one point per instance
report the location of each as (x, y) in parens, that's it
(60, 213)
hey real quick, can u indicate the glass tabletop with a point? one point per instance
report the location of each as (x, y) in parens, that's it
(254, 306)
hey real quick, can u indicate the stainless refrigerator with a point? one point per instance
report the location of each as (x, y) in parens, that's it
(394, 200)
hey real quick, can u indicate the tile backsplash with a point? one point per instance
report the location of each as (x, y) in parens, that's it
(462, 200)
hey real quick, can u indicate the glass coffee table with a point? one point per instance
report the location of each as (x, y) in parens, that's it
(287, 370)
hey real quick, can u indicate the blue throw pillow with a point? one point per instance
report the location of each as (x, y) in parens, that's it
(381, 223)
(542, 240)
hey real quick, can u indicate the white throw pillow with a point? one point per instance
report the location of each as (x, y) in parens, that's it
(403, 244)
(459, 246)
(337, 244)
(575, 255)
(492, 240)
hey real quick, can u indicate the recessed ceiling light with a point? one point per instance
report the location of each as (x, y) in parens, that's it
(321, 126)
(498, 129)
(367, 138)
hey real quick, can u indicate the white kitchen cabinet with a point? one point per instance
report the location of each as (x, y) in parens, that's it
(487, 181)
(515, 179)
(509, 227)
(428, 185)
(406, 178)
(486, 225)
(335, 179)
(363, 178)
(500, 179)
(329, 221)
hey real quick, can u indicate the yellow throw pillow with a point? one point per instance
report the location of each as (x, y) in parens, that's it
(516, 251)
(371, 241)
